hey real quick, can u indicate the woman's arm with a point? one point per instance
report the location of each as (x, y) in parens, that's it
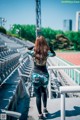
(51, 53)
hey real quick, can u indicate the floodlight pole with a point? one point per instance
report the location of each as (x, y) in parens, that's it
(38, 17)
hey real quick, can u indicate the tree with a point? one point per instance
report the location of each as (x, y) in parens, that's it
(74, 38)
(3, 30)
(57, 39)
(25, 31)
(48, 33)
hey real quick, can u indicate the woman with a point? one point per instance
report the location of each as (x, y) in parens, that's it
(40, 76)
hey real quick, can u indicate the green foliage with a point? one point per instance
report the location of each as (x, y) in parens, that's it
(3, 30)
(56, 39)
(59, 32)
(61, 42)
(48, 33)
(24, 31)
(74, 38)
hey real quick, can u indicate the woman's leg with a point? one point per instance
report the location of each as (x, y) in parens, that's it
(38, 99)
(44, 96)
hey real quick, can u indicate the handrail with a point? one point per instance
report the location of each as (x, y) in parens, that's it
(63, 90)
(69, 89)
(50, 68)
(63, 67)
(11, 113)
(73, 74)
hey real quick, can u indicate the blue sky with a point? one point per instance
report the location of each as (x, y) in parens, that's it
(53, 12)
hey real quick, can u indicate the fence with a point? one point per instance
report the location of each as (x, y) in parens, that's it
(74, 74)
(50, 68)
(64, 89)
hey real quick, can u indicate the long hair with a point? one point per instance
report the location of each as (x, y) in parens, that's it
(41, 48)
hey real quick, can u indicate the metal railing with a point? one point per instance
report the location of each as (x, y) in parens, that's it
(11, 113)
(50, 68)
(74, 74)
(63, 91)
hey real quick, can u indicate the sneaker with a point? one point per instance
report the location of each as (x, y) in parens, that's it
(41, 117)
(45, 111)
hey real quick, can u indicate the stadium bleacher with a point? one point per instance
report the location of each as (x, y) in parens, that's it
(14, 64)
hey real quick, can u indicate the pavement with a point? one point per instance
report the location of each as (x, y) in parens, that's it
(72, 109)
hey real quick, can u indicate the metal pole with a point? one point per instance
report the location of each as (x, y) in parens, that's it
(63, 90)
(38, 17)
(62, 106)
(49, 86)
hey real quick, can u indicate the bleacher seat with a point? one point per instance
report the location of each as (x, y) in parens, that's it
(25, 69)
(12, 70)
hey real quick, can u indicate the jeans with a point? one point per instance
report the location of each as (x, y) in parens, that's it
(41, 92)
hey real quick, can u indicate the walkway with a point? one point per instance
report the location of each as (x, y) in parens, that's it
(72, 109)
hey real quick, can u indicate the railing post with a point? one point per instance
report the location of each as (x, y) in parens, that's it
(49, 85)
(62, 106)
(79, 79)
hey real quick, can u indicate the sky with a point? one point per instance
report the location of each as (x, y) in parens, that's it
(53, 12)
